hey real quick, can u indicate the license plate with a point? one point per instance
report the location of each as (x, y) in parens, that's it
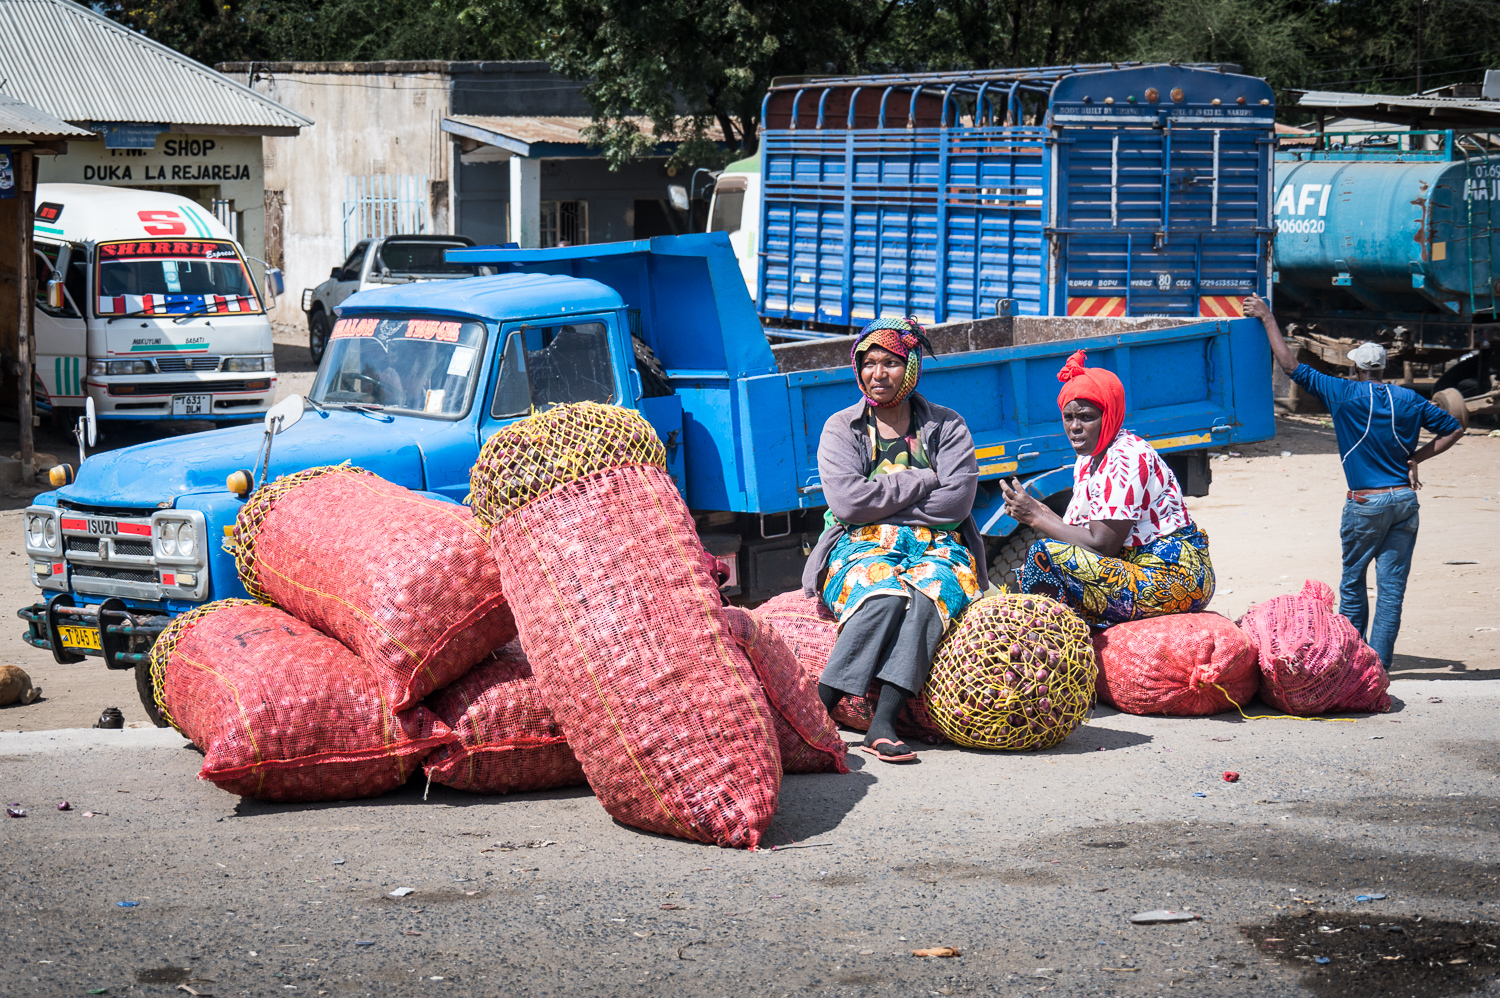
(191, 405)
(79, 637)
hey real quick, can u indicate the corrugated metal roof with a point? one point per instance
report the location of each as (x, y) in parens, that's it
(1420, 111)
(518, 133)
(71, 62)
(22, 121)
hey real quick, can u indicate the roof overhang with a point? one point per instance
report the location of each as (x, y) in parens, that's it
(1416, 112)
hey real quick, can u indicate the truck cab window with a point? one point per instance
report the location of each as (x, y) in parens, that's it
(544, 366)
(350, 271)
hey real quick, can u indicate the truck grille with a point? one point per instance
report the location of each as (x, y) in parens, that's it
(179, 365)
(117, 574)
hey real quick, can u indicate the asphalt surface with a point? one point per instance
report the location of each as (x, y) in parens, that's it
(1030, 865)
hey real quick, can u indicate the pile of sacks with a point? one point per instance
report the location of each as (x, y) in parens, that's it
(1296, 652)
(382, 640)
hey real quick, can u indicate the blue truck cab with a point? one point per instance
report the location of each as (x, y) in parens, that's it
(417, 377)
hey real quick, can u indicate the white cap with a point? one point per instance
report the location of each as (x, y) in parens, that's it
(1368, 356)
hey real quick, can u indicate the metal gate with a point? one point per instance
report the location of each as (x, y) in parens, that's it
(383, 205)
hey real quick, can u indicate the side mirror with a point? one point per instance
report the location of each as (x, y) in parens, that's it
(678, 195)
(55, 292)
(284, 414)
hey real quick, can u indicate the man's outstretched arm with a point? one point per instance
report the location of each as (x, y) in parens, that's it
(1256, 306)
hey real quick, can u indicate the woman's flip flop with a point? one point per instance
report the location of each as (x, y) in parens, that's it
(906, 755)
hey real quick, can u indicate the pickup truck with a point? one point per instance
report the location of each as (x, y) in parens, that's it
(374, 263)
(417, 377)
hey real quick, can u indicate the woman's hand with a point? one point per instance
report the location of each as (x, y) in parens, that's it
(1022, 506)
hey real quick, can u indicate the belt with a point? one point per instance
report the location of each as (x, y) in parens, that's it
(1358, 494)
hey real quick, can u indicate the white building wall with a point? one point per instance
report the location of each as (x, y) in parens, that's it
(364, 124)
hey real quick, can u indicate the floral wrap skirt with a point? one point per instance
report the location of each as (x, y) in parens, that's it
(889, 560)
(1171, 574)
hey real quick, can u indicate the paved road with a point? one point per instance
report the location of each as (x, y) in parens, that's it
(1029, 864)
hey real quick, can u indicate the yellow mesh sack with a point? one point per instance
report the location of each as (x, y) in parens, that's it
(1014, 672)
(533, 456)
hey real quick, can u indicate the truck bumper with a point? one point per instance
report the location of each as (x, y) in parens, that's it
(110, 630)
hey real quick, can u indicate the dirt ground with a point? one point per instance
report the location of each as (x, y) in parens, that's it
(1272, 522)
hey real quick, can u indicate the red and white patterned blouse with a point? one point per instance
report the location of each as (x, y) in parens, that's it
(1132, 483)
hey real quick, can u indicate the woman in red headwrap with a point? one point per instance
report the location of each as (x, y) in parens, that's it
(900, 555)
(1126, 547)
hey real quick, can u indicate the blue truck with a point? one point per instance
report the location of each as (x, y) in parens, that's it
(417, 377)
(1087, 190)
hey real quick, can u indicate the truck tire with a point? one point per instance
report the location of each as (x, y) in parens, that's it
(654, 380)
(318, 329)
(1010, 555)
(145, 688)
(1451, 401)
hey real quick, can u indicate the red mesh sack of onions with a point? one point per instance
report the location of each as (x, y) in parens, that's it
(282, 712)
(624, 627)
(1181, 665)
(810, 629)
(507, 739)
(1312, 660)
(407, 582)
(805, 734)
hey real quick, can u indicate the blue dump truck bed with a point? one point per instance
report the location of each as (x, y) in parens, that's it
(1078, 190)
(417, 377)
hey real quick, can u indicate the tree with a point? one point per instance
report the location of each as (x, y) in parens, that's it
(689, 65)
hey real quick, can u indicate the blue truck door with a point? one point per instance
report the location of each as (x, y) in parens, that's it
(1162, 180)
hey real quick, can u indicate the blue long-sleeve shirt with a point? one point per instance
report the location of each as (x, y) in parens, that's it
(1377, 425)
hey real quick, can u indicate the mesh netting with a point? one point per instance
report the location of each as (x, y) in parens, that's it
(1312, 660)
(1181, 665)
(1014, 672)
(282, 712)
(508, 741)
(624, 627)
(407, 582)
(533, 456)
(805, 734)
(810, 629)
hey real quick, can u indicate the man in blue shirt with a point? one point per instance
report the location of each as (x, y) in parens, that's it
(1377, 426)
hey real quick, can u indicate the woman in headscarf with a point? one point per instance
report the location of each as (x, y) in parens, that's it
(1126, 547)
(900, 554)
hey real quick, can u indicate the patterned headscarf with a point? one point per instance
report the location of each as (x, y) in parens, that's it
(1096, 385)
(903, 337)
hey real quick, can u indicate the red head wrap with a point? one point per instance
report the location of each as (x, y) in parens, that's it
(1096, 385)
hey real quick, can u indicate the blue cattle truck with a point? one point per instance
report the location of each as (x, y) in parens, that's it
(1098, 190)
(417, 377)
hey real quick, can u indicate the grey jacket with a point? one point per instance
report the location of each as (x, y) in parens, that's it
(919, 497)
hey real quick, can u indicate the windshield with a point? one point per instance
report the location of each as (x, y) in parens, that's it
(424, 366)
(157, 277)
(423, 256)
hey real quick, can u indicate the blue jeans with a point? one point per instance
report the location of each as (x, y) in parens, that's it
(1382, 529)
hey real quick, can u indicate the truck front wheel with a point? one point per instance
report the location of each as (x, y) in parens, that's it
(146, 689)
(318, 329)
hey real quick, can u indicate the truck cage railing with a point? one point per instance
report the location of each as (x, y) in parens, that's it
(1477, 149)
(979, 91)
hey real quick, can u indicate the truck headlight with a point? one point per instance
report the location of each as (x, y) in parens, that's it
(244, 364)
(111, 367)
(166, 537)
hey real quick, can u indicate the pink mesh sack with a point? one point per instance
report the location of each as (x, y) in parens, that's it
(507, 739)
(1175, 665)
(1312, 661)
(282, 712)
(624, 627)
(805, 734)
(810, 629)
(407, 582)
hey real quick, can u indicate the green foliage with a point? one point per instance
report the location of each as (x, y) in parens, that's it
(213, 31)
